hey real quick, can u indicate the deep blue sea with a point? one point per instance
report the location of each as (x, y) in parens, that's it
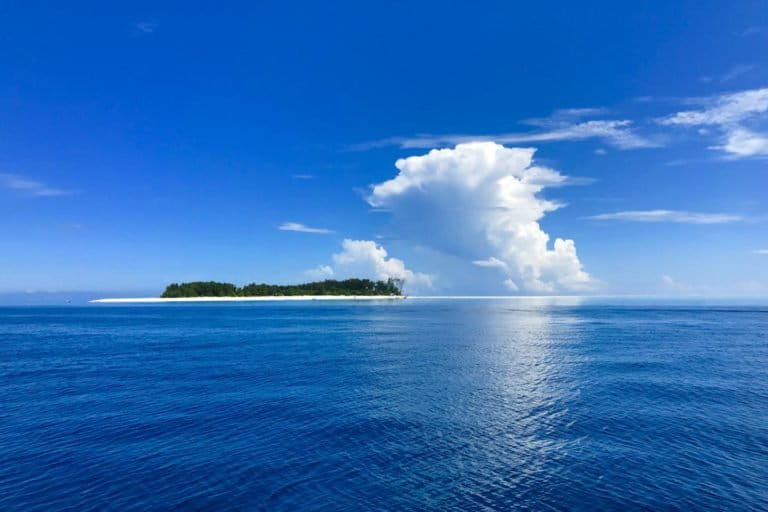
(449, 405)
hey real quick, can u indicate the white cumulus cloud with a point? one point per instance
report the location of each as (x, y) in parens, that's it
(367, 259)
(481, 201)
(743, 142)
(320, 272)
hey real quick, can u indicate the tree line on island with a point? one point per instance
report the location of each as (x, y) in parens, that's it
(327, 287)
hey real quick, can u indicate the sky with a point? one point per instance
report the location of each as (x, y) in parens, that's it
(486, 148)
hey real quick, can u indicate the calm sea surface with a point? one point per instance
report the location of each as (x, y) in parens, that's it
(414, 405)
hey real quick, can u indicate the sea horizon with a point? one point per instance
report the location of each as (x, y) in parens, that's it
(88, 298)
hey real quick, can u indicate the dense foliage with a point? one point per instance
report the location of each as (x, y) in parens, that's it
(328, 287)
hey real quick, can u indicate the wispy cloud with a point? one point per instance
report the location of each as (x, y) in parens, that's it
(763, 252)
(302, 176)
(751, 31)
(736, 71)
(569, 124)
(566, 116)
(732, 114)
(147, 26)
(30, 187)
(724, 109)
(615, 132)
(670, 284)
(301, 228)
(678, 216)
(733, 73)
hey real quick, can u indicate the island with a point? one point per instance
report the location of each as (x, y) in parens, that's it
(329, 289)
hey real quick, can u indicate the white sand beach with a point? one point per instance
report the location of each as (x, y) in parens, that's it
(247, 299)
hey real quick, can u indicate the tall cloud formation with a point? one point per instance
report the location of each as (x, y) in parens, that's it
(480, 201)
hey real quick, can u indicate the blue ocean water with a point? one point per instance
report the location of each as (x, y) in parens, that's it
(412, 405)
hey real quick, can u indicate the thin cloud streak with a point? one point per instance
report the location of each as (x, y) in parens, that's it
(676, 216)
(750, 31)
(30, 187)
(565, 116)
(490, 263)
(736, 72)
(615, 132)
(301, 228)
(146, 27)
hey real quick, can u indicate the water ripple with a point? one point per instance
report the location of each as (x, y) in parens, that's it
(443, 405)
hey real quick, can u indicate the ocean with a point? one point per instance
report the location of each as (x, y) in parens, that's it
(449, 405)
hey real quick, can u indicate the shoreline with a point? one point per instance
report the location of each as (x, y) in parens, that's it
(245, 299)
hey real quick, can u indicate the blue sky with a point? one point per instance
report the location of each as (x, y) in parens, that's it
(158, 142)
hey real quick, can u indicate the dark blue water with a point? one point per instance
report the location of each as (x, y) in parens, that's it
(419, 405)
